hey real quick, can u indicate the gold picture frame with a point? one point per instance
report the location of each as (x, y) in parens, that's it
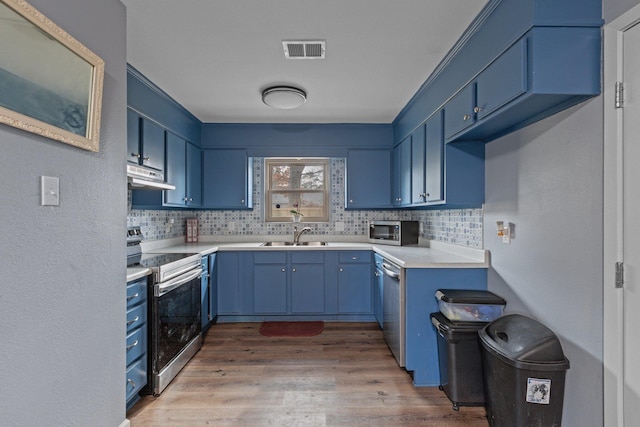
(50, 83)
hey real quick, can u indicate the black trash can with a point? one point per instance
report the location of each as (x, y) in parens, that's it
(460, 363)
(524, 372)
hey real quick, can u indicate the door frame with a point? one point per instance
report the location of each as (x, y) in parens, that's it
(613, 332)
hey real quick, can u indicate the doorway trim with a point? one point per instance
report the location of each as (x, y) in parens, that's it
(613, 350)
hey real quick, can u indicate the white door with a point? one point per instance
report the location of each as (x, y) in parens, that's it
(622, 222)
(631, 223)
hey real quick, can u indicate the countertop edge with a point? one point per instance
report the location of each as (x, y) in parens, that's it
(446, 255)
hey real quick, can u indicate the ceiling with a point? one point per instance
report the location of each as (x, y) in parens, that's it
(215, 57)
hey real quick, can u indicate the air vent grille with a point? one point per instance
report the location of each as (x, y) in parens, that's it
(304, 49)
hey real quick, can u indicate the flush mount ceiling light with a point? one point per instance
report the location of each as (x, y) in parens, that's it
(284, 97)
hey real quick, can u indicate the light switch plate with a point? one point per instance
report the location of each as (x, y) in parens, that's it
(49, 191)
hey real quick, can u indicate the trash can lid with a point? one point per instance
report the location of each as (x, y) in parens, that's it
(524, 343)
(450, 329)
(464, 296)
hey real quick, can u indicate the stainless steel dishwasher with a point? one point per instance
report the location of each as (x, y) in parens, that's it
(393, 310)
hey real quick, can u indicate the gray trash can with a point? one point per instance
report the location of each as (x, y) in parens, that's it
(524, 370)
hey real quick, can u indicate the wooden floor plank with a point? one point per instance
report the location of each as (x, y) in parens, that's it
(345, 376)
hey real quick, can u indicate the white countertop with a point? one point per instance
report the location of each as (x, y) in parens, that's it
(432, 254)
(134, 273)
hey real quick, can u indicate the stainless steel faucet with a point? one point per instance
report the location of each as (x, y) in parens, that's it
(297, 234)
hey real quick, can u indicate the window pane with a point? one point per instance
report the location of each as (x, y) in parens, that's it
(308, 203)
(297, 177)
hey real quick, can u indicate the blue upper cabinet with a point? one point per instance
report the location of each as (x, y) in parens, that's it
(194, 176)
(542, 73)
(434, 160)
(518, 62)
(401, 174)
(226, 179)
(368, 179)
(176, 172)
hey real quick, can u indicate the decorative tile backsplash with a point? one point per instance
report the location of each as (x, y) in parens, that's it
(457, 226)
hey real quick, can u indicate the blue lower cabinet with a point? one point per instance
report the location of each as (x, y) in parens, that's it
(136, 340)
(421, 338)
(204, 293)
(298, 284)
(213, 287)
(228, 283)
(355, 294)
(378, 289)
(270, 289)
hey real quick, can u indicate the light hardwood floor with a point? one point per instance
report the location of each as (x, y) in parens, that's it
(345, 376)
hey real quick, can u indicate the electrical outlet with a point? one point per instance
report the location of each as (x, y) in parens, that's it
(232, 226)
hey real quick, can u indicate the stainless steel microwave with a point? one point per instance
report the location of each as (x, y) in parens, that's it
(399, 233)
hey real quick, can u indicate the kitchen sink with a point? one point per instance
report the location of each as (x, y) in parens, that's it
(294, 244)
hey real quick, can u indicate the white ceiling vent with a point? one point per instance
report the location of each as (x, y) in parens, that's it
(304, 49)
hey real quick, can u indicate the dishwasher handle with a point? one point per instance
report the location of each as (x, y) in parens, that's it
(389, 271)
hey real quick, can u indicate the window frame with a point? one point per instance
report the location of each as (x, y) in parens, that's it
(269, 192)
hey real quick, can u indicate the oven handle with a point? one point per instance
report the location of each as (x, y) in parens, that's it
(163, 288)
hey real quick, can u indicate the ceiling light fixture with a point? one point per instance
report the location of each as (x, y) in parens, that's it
(284, 97)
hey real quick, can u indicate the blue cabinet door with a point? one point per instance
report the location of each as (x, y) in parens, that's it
(378, 295)
(354, 289)
(307, 289)
(458, 111)
(226, 182)
(204, 293)
(270, 289)
(368, 179)
(502, 81)
(229, 283)
(434, 159)
(193, 192)
(152, 144)
(418, 165)
(133, 137)
(175, 172)
(402, 173)
(213, 287)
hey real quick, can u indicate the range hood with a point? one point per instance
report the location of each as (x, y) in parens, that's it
(144, 178)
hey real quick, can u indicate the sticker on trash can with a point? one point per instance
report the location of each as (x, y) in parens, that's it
(538, 390)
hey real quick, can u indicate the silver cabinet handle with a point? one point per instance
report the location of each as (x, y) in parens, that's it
(283, 270)
(354, 257)
(135, 343)
(131, 382)
(466, 117)
(293, 269)
(133, 321)
(242, 201)
(136, 155)
(341, 270)
(146, 159)
(477, 109)
(350, 200)
(136, 295)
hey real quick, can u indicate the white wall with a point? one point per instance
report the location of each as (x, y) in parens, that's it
(547, 180)
(62, 283)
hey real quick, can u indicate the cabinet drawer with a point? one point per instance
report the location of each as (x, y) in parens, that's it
(136, 317)
(136, 344)
(136, 292)
(279, 257)
(355, 257)
(136, 377)
(307, 257)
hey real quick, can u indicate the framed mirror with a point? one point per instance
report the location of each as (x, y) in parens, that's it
(50, 84)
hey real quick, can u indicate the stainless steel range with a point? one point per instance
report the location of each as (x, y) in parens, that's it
(175, 329)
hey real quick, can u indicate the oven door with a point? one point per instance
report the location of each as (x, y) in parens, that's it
(175, 326)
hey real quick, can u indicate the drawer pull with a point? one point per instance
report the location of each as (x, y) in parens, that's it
(135, 343)
(136, 295)
(135, 319)
(354, 257)
(131, 382)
